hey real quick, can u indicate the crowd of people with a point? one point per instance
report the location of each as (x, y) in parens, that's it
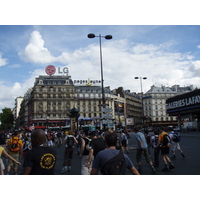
(100, 152)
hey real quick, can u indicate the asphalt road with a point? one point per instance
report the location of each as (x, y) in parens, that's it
(190, 165)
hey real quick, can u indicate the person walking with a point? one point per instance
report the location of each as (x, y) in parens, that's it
(15, 149)
(59, 137)
(41, 159)
(103, 157)
(164, 150)
(79, 139)
(97, 145)
(142, 150)
(69, 142)
(175, 138)
(154, 140)
(124, 141)
(86, 160)
(3, 152)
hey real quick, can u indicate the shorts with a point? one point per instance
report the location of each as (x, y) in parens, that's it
(164, 150)
(174, 146)
(12, 163)
(68, 153)
(124, 144)
(139, 155)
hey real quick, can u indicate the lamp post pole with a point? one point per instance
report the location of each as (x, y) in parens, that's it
(107, 37)
(144, 78)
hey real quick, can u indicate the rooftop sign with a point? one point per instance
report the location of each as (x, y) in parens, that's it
(51, 70)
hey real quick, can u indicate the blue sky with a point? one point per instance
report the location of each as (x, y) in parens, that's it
(166, 55)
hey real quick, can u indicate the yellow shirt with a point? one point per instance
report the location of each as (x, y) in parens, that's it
(1, 151)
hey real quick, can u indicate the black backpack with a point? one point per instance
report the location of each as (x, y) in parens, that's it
(166, 140)
(2, 138)
(70, 141)
(115, 166)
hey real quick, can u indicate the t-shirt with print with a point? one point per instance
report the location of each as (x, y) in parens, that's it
(42, 160)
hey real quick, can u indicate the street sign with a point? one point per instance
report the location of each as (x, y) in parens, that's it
(107, 121)
(106, 110)
(107, 116)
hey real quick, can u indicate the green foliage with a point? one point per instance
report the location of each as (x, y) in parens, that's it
(6, 118)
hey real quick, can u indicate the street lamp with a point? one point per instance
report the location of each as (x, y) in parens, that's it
(144, 78)
(107, 37)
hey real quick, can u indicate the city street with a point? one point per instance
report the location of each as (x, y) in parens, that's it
(190, 165)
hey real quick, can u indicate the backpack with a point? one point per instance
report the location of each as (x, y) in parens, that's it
(2, 138)
(166, 140)
(88, 145)
(70, 141)
(176, 137)
(118, 145)
(148, 139)
(14, 145)
(124, 137)
(155, 140)
(115, 166)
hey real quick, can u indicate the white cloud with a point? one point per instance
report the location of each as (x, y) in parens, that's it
(35, 51)
(3, 61)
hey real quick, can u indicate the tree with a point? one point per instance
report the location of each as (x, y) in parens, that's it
(6, 118)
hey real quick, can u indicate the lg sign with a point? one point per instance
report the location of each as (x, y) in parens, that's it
(50, 70)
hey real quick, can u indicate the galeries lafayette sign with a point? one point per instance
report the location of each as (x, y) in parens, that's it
(188, 101)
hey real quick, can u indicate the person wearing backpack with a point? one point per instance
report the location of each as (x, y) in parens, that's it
(112, 161)
(86, 158)
(124, 141)
(164, 146)
(69, 142)
(154, 140)
(175, 138)
(15, 149)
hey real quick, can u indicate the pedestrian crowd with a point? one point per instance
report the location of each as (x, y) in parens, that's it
(101, 152)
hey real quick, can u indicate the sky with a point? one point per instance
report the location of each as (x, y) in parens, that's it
(165, 54)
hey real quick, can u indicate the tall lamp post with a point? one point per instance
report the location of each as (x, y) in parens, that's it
(107, 37)
(142, 78)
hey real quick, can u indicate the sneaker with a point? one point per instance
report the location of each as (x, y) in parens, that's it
(183, 155)
(153, 169)
(171, 167)
(140, 170)
(64, 169)
(165, 169)
(174, 157)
